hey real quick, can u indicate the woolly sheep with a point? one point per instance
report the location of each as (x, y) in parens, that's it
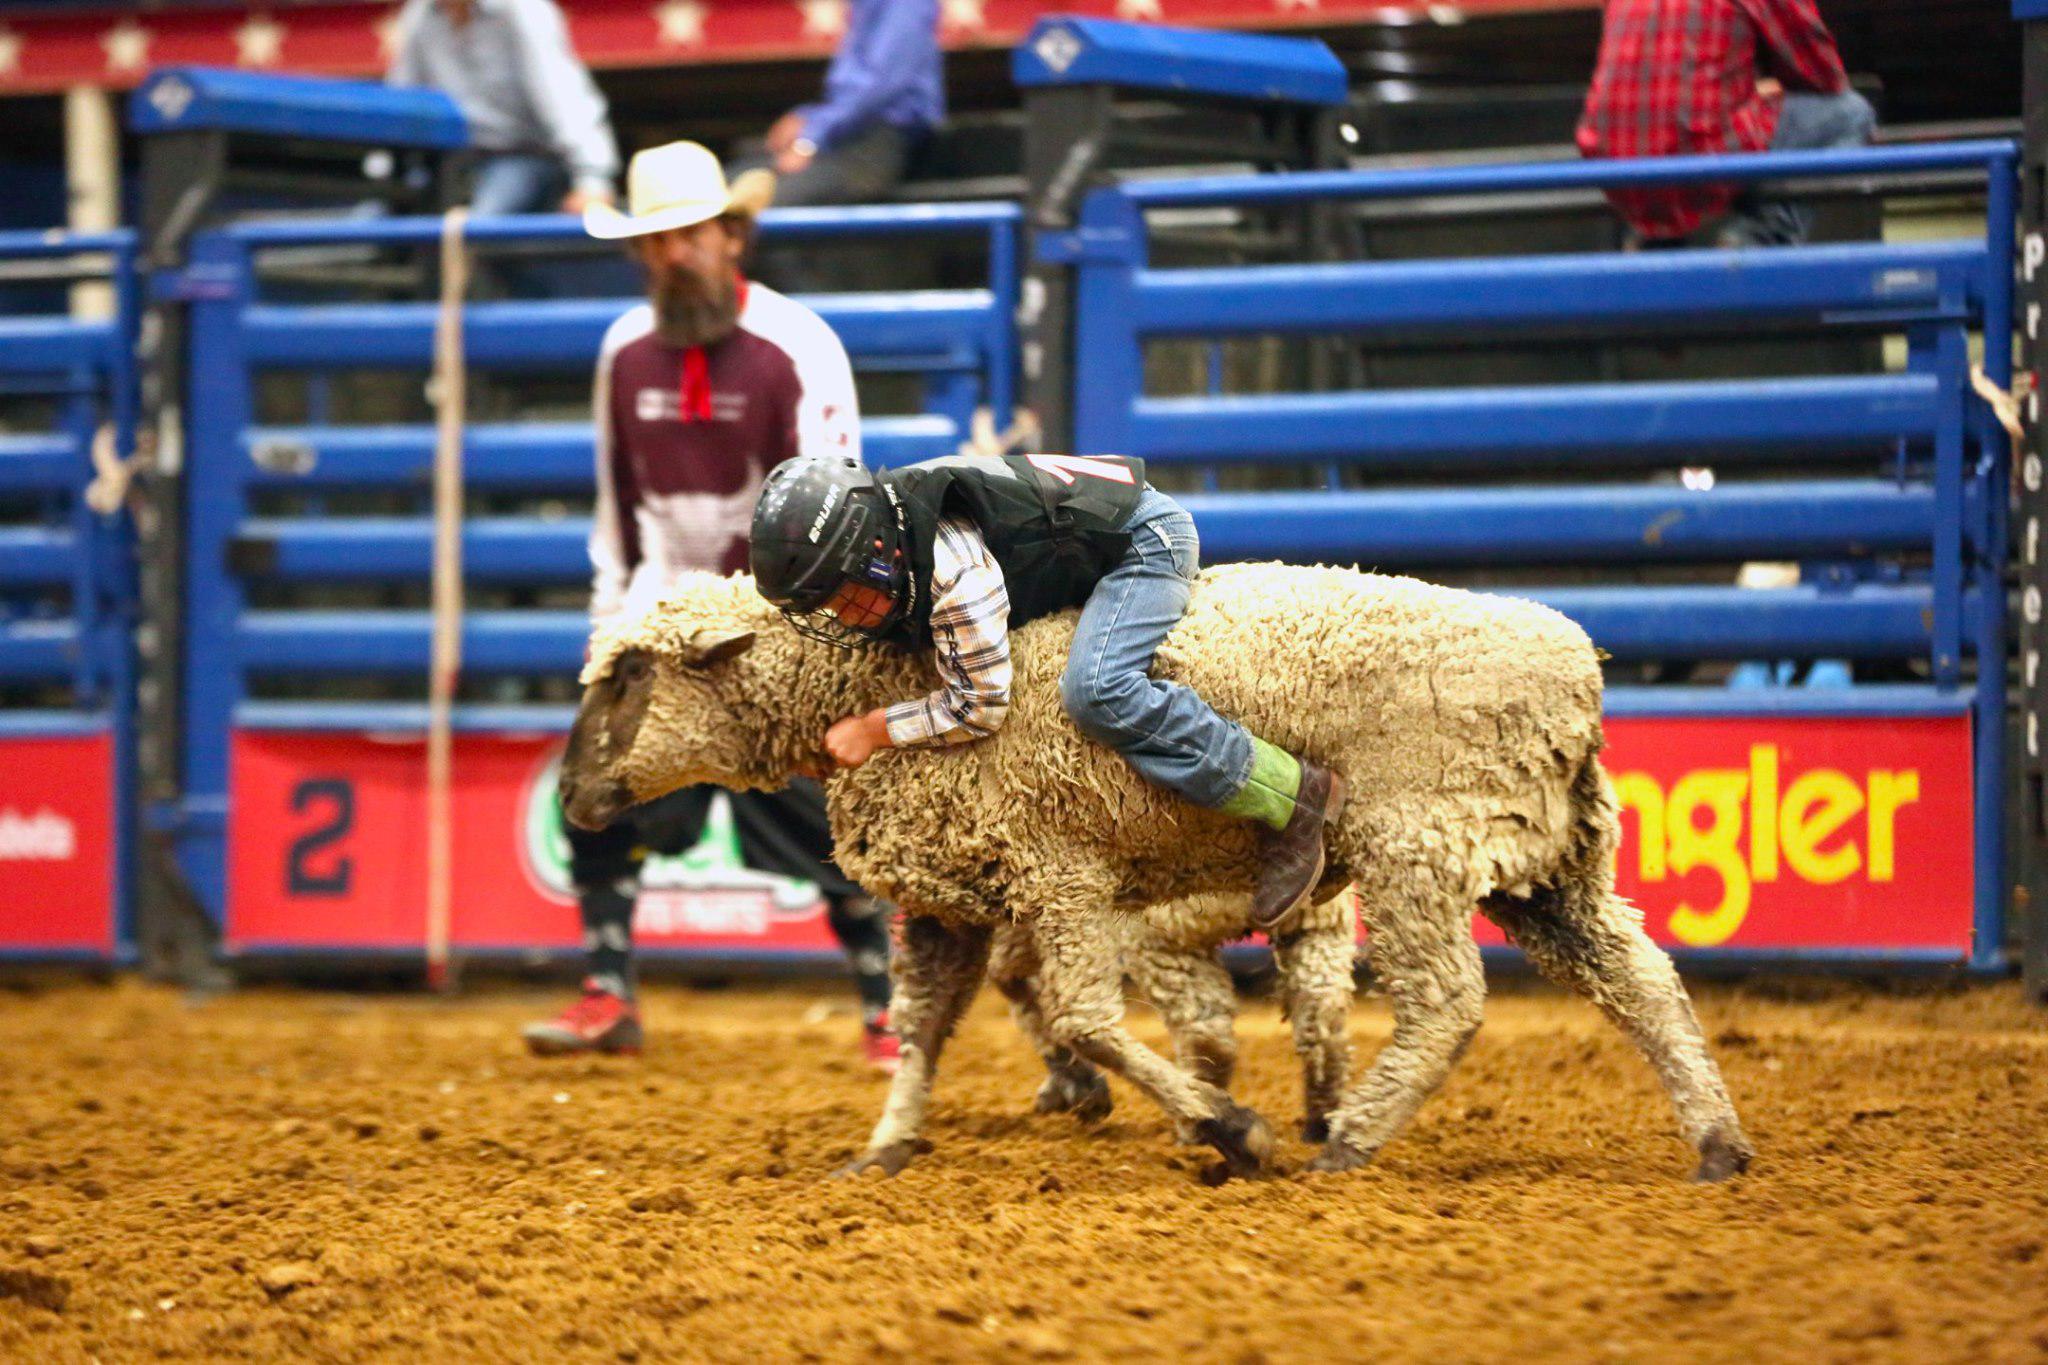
(1468, 728)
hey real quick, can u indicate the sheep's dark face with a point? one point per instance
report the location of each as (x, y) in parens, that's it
(650, 725)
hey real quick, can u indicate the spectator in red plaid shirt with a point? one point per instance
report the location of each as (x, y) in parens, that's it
(1684, 77)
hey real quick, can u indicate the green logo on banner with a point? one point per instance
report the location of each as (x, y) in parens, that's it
(711, 865)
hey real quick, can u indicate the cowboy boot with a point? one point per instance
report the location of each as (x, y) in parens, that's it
(1291, 859)
(1293, 799)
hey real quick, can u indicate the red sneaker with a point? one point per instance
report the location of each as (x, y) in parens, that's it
(880, 1047)
(599, 1022)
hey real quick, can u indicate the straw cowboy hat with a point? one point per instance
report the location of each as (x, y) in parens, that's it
(675, 186)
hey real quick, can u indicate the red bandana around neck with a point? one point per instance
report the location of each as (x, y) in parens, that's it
(695, 394)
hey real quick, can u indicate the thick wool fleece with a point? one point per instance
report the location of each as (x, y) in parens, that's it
(1458, 720)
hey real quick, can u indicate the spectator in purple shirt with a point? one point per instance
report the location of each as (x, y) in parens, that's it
(883, 93)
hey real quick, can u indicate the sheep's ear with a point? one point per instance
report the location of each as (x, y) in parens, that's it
(708, 647)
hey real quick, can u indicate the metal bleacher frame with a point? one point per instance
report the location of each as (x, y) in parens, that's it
(959, 342)
(1951, 504)
(1078, 77)
(85, 651)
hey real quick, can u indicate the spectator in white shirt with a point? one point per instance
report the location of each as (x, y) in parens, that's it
(540, 128)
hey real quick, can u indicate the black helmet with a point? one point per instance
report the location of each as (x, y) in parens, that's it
(823, 522)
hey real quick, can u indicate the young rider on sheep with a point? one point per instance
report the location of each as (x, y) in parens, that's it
(949, 554)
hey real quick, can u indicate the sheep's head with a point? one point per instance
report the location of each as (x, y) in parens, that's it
(672, 697)
(653, 721)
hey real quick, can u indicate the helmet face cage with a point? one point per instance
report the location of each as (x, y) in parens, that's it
(882, 569)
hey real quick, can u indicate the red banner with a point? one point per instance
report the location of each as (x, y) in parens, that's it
(57, 845)
(1755, 834)
(1767, 834)
(325, 851)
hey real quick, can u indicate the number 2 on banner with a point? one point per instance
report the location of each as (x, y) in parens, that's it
(1065, 467)
(302, 876)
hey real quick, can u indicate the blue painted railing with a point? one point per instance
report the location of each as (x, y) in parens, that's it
(67, 580)
(1942, 500)
(961, 344)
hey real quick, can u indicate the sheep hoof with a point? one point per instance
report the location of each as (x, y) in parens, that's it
(1244, 1140)
(888, 1160)
(1336, 1156)
(1722, 1154)
(1315, 1128)
(1095, 1106)
(1085, 1095)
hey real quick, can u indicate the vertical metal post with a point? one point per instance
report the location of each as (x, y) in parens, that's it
(1067, 130)
(79, 419)
(116, 549)
(1111, 252)
(219, 403)
(1951, 377)
(2032, 892)
(1003, 286)
(1987, 579)
(182, 175)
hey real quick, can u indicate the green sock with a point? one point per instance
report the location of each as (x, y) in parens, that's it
(1268, 794)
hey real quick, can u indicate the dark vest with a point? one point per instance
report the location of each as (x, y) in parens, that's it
(1054, 524)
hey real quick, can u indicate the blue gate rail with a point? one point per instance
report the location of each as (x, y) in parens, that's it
(960, 342)
(506, 456)
(1873, 621)
(1945, 499)
(1806, 519)
(67, 579)
(1942, 502)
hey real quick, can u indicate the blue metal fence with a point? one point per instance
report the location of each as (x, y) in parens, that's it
(1942, 502)
(1917, 528)
(67, 586)
(959, 343)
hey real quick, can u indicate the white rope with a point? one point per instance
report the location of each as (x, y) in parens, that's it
(2005, 405)
(444, 666)
(111, 475)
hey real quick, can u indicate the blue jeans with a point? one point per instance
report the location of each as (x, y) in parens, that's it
(1170, 735)
(1807, 123)
(516, 182)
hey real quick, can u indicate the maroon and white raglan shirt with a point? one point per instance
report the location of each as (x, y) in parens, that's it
(687, 435)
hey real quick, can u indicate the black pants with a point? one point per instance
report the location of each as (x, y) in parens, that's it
(863, 170)
(783, 832)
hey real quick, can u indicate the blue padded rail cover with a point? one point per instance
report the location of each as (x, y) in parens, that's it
(2030, 9)
(175, 98)
(1068, 50)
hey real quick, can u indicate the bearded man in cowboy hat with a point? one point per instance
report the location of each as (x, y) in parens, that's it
(700, 392)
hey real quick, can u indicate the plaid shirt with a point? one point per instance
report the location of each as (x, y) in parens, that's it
(971, 645)
(1679, 77)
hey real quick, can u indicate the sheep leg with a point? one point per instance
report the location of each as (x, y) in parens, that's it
(1422, 949)
(1081, 985)
(937, 969)
(1592, 942)
(1198, 1003)
(1071, 1085)
(1315, 988)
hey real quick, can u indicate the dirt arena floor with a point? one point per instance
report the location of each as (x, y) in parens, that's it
(306, 1176)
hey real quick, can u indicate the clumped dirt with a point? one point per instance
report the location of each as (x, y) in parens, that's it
(318, 1177)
